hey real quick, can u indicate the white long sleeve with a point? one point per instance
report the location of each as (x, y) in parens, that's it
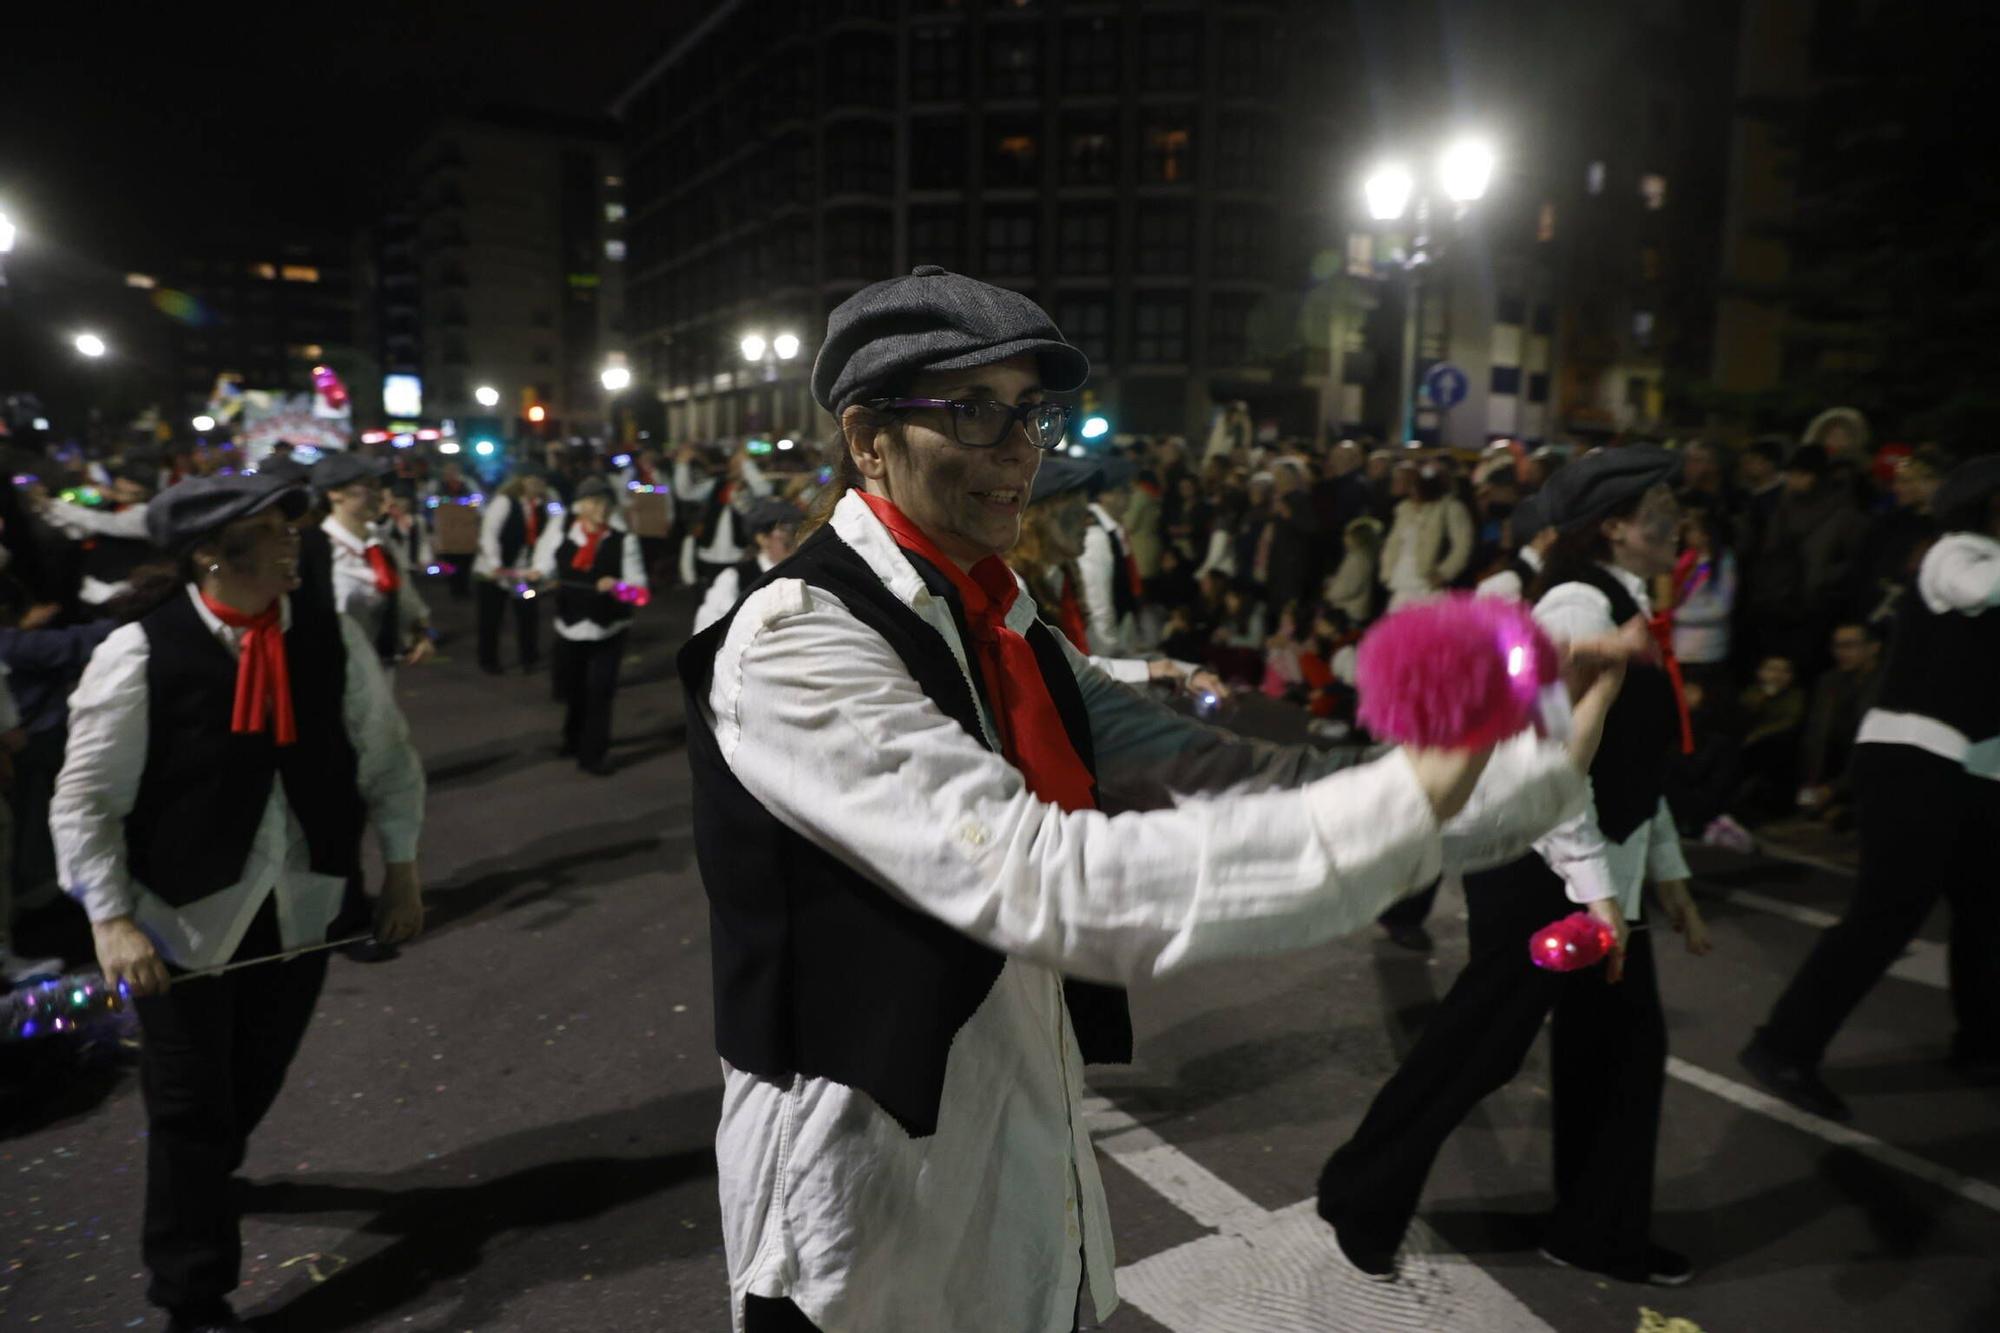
(1961, 572)
(1098, 566)
(81, 521)
(490, 522)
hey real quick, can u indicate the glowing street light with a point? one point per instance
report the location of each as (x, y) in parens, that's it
(204, 423)
(8, 231)
(90, 345)
(1095, 427)
(753, 346)
(786, 345)
(1388, 189)
(616, 379)
(486, 396)
(538, 414)
(1465, 169)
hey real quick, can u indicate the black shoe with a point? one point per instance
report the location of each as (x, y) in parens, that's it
(371, 950)
(1661, 1267)
(1376, 1265)
(1414, 938)
(1798, 1084)
(598, 768)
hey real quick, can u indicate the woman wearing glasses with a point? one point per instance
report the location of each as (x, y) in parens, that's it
(922, 901)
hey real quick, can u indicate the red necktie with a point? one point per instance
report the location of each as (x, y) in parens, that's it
(586, 550)
(263, 676)
(1662, 626)
(386, 578)
(1132, 576)
(1070, 613)
(1031, 730)
(531, 514)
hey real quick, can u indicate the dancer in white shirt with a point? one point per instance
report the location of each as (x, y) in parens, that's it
(226, 751)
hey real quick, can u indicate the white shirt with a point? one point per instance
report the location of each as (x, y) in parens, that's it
(632, 570)
(80, 523)
(491, 520)
(1507, 583)
(1961, 572)
(1592, 866)
(719, 550)
(825, 1199)
(99, 785)
(722, 594)
(354, 590)
(1099, 565)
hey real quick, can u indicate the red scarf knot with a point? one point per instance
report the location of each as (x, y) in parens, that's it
(586, 550)
(1031, 730)
(263, 676)
(387, 580)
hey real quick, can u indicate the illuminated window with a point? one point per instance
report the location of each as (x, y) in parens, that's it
(1593, 178)
(298, 273)
(614, 250)
(1013, 157)
(1653, 189)
(614, 212)
(266, 271)
(305, 351)
(141, 281)
(1167, 155)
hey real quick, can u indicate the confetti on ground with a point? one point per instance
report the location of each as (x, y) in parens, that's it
(1652, 1321)
(313, 1259)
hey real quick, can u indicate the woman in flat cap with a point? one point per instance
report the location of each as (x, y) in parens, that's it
(1617, 524)
(372, 581)
(1927, 779)
(587, 558)
(922, 903)
(226, 750)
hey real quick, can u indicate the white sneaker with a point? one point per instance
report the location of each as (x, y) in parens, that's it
(18, 969)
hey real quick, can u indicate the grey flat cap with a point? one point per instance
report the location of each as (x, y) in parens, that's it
(592, 488)
(336, 470)
(187, 511)
(771, 512)
(1600, 481)
(1060, 474)
(935, 320)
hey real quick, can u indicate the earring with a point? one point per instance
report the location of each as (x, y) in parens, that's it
(215, 569)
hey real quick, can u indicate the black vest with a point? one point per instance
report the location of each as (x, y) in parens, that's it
(515, 549)
(204, 788)
(577, 597)
(713, 513)
(818, 970)
(112, 559)
(1944, 666)
(1642, 730)
(1123, 601)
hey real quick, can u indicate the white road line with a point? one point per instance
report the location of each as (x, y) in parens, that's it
(1923, 962)
(1265, 1272)
(1970, 1188)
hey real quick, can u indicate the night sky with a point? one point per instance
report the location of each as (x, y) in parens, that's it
(125, 127)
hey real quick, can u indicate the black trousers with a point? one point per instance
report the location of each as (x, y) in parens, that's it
(1413, 910)
(35, 771)
(214, 1055)
(1927, 830)
(586, 680)
(765, 1314)
(1608, 1063)
(492, 606)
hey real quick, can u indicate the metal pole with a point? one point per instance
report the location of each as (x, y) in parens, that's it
(1413, 295)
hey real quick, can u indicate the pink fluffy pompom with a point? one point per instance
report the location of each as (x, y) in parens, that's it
(1577, 941)
(1457, 672)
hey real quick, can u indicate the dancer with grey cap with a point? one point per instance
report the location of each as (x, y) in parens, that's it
(923, 902)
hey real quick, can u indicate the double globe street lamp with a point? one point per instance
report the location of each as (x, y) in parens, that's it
(1464, 170)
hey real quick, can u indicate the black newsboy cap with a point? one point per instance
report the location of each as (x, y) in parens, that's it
(187, 511)
(335, 470)
(1599, 482)
(1962, 498)
(934, 320)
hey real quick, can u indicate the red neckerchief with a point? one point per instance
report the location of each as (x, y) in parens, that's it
(1132, 576)
(263, 676)
(387, 580)
(1662, 627)
(586, 550)
(532, 516)
(728, 493)
(1031, 731)
(1069, 613)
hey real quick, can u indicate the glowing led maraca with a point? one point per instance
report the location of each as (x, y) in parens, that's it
(1577, 941)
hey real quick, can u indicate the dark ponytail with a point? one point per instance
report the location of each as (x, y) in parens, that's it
(846, 475)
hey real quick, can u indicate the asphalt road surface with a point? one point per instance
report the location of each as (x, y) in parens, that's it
(510, 1127)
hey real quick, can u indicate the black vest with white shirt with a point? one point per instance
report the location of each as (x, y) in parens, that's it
(1944, 665)
(1641, 730)
(1123, 601)
(818, 970)
(515, 548)
(577, 597)
(204, 789)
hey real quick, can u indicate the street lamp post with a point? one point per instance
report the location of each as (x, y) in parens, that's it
(758, 350)
(1465, 168)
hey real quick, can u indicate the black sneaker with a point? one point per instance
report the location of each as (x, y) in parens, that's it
(371, 950)
(1414, 938)
(1796, 1083)
(1661, 1267)
(1375, 1265)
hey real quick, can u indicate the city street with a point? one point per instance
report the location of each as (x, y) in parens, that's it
(509, 1128)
